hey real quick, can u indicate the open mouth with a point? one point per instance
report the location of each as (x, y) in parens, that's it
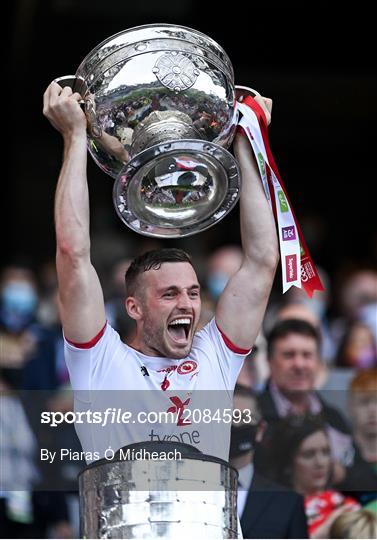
(179, 329)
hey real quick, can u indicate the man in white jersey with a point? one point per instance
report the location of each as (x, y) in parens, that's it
(163, 297)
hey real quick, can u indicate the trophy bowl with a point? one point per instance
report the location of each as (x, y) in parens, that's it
(160, 102)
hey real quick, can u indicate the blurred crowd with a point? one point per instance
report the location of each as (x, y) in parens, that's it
(309, 456)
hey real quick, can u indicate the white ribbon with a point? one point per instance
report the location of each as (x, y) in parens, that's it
(289, 242)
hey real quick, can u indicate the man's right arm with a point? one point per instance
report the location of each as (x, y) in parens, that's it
(81, 302)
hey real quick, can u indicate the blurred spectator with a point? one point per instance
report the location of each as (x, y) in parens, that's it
(207, 311)
(357, 302)
(302, 312)
(297, 305)
(19, 298)
(302, 460)
(255, 370)
(47, 313)
(26, 511)
(359, 290)
(115, 308)
(318, 303)
(222, 264)
(18, 470)
(363, 407)
(358, 347)
(368, 315)
(27, 348)
(258, 497)
(358, 524)
(293, 354)
(27, 361)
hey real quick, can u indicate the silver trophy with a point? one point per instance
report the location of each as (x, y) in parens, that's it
(192, 496)
(160, 102)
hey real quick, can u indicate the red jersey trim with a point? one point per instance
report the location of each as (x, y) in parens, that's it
(91, 343)
(231, 345)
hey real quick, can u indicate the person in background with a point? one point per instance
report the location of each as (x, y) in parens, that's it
(47, 312)
(116, 315)
(359, 290)
(18, 303)
(357, 302)
(295, 304)
(296, 310)
(300, 311)
(303, 462)
(19, 474)
(222, 264)
(358, 524)
(26, 362)
(358, 347)
(293, 355)
(259, 499)
(363, 408)
(27, 347)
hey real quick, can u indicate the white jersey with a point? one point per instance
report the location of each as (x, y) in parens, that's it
(197, 390)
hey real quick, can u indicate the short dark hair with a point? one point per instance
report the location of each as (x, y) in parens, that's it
(291, 326)
(152, 260)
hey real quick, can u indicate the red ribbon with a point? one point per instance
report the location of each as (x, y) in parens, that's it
(310, 279)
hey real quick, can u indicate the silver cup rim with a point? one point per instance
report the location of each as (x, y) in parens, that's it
(226, 60)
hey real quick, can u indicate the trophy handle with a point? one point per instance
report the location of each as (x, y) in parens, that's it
(79, 85)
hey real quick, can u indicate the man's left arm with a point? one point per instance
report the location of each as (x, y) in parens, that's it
(242, 305)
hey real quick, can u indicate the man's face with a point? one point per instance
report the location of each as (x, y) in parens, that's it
(294, 363)
(170, 309)
(364, 412)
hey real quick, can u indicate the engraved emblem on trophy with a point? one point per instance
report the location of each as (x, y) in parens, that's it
(160, 102)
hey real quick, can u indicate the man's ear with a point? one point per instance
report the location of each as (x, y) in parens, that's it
(134, 308)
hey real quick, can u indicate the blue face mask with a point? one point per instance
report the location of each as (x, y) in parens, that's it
(19, 297)
(19, 301)
(216, 283)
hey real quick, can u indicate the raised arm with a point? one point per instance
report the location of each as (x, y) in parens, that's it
(242, 305)
(81, 301)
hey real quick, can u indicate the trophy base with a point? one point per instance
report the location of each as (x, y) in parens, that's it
(177, 188)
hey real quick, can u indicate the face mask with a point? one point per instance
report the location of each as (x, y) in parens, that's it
(366, 358)
(242, 440)
(216, 283)
(316, 305)
(19, 297)
(19, 301)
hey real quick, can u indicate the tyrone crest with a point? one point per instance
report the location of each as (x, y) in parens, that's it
(176, 71)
